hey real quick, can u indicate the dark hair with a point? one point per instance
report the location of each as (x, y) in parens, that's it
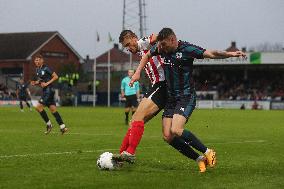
(38, 56)
(165, 33)
(126, 33)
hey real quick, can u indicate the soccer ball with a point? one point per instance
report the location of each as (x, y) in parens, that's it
(105, 161)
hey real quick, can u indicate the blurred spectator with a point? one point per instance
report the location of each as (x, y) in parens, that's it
(230, 87)
(6, 94)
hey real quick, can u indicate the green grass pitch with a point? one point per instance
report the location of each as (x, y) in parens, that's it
(249, 147)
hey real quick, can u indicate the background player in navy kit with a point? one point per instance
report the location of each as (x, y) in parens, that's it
(23, 93)
(178, 61)
(45, 78)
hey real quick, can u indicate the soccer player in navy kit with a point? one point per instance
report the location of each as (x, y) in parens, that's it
(45, 78)
(178, 65)
(23, 93)
(153, 101)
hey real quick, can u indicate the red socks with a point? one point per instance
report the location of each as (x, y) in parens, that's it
(125, 142)
(137, 130)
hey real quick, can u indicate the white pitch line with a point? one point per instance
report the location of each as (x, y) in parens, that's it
(103, 150)
(108, 134)
(240, 142)
(62, 153)
(89, 134)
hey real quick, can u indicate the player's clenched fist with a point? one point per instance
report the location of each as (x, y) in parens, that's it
(134, 78)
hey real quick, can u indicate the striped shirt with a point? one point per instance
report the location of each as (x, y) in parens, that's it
(154, 68)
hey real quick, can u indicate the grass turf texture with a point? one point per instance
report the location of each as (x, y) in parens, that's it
(249, 146)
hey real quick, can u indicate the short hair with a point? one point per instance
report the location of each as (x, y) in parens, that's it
(38, 56)
(165, 33)
(126, 33)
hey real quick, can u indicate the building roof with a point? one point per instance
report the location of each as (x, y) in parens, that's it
(21, 46)
(116, 56)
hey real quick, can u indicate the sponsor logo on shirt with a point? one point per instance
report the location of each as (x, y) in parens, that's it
(178, 55)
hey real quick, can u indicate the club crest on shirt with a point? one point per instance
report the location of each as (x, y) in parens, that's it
(168, 61)
(178, 55)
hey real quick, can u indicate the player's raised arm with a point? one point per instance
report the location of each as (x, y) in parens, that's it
(144, 60)
(215, 54)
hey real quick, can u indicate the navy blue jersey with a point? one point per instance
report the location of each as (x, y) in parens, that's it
(44, 74)
(22, 88)
(178, 67)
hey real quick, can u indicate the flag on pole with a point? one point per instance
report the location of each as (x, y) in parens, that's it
(110, 39)
(98, 37)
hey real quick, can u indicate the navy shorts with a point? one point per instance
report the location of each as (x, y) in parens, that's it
(182, 105)
(23, 98)
(47, 97)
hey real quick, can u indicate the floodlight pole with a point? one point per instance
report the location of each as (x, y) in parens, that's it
(94, 82)
(108, 78)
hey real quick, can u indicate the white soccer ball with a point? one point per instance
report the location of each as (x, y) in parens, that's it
(105, 161)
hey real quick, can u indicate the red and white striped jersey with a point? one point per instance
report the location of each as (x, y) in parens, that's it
(154, 68)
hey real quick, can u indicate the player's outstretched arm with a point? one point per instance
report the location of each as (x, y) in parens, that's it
(33, 83)
(215, 54)
(142, 64)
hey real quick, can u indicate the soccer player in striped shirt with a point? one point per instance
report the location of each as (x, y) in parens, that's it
(154, 100)
(178, 64)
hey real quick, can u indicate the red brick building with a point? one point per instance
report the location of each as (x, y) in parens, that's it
(17, 51)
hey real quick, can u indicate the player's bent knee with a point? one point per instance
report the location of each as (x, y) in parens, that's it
(168, 138)
(39, 108)
(52, 109)
(176, 131)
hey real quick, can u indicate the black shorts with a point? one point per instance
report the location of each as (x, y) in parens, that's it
(47, 97)
(158, 94)
(183, 105)
(131, 101)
